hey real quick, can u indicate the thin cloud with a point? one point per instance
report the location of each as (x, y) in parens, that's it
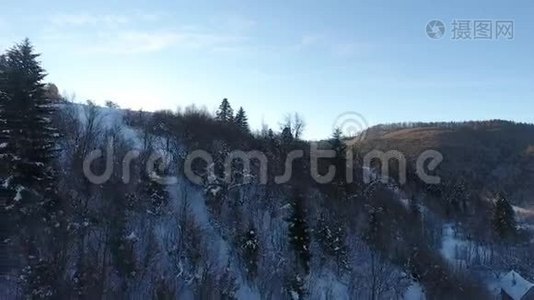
(133, 42)
(126, 34)
(336, 47)
(106, 20)
(85, 19)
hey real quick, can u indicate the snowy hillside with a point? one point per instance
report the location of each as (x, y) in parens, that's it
(137, 226)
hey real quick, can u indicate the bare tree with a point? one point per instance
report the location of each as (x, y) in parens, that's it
(295, 123)
(373, 276)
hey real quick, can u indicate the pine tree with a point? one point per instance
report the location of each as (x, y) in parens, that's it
(270, 134)
(120, 241)
(340, 162)
(457, 197)
(331, 238)
(241, 120)
(225, 113)
(504, 218)
(375, 229)
(296, 288)
(250, 250)
(28, 146)
(119, 238)
(29, 137)
(287, 136)
(415, 212)
(5, 155)
(156, 194)
(337, 141)
(5, 132)
(227, 285)
(299, 233)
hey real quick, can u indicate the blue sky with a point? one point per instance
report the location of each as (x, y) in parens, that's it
(320, 59)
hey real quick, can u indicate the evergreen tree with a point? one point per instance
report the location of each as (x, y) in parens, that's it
(299, 234)
(156, 194)
(339, 183)
(504, 218)
(287, 136)
(120, 240)
(5, 155)
(250, 251)
(375, 229)
(270, 134)
(337, 141)
(225, 113)
(241, 120)
(331, 238)
(296, 288)
(5, 132)
(114, 218)
(457, 197)
(28, 145)
(227, 285)
(415, 211)
(29, 137)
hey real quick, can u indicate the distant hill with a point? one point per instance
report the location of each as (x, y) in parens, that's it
(492, 155)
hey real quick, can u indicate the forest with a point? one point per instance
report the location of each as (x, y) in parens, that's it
(232, 235)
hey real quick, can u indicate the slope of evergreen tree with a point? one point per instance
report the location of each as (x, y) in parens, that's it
(374, 234)
(337, 142)
(156, 194)
(28, 146)
(331, 238)
(5, 153)
(504, 218)
(28, 137)
(241, 120)
(339, 183)
(286, 136)
(299, 232)
(250, 249)
(225, 113)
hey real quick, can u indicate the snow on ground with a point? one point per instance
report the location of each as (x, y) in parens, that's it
(521, 210)
(111, 117)
(198, 206)
(327, 286)
(451, 245)
(524, 215)
(414, 292)
(493, 282)
(458, 251)
(324, 286)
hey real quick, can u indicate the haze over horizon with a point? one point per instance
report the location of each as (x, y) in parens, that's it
(321, 60)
